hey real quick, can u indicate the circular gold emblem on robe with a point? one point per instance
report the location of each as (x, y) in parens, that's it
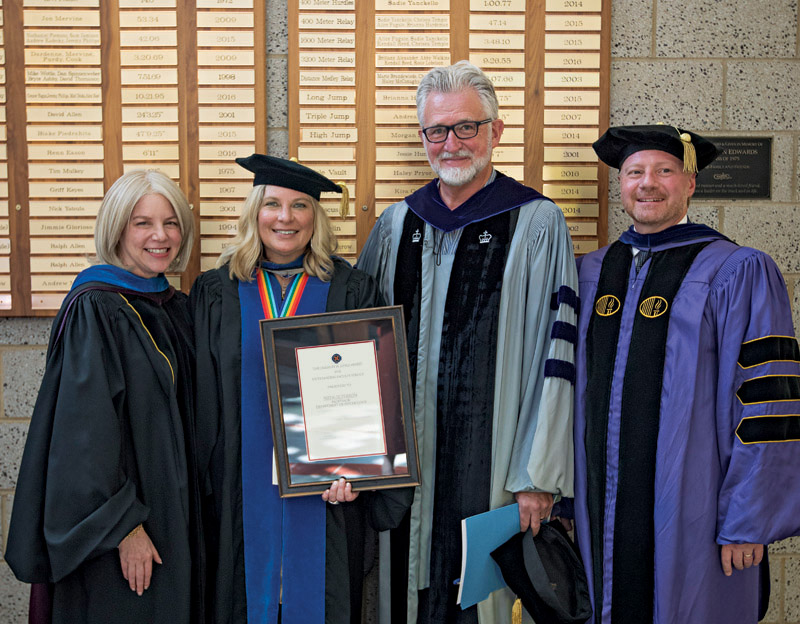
(607, 305)
(653, 307)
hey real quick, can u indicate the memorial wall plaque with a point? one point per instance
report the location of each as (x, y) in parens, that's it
(741, 171)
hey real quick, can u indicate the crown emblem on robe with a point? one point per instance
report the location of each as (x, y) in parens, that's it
(416, 236)
(484, 238)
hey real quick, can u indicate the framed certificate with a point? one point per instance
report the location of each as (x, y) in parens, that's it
(340, 400)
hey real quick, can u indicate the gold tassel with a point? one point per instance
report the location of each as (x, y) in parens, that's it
(516, 612)
(689, 153)
(345, 205)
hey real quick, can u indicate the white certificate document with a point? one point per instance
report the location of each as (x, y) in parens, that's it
(341, 400)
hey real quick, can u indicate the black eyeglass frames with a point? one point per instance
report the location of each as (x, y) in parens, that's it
(462, 130)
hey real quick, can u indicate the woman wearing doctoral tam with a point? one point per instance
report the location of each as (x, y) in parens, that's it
(107, 505)
(687, 408)
(294, 560)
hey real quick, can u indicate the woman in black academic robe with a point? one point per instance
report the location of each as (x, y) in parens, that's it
(106, 510)
(269, 558)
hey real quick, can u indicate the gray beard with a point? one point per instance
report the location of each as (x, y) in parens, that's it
(459, 176)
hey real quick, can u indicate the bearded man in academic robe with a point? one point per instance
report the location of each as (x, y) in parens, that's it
(687, 402)
(484, 269)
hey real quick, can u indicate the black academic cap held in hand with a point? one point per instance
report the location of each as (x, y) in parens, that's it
(547, 575)
(288, 174)
(619, 142)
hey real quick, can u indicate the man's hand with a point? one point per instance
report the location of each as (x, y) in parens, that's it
(533, 508)
(339, 492)
(740, 556)
(136, 557)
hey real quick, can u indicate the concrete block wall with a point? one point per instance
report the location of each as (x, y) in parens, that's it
(728, 67)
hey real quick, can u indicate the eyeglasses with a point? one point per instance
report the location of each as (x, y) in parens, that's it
(463, 130)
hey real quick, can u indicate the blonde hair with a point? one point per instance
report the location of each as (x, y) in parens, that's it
(246, 251)
(118, 204)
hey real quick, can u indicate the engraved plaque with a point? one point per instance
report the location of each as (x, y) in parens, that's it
(578, 60)
(224, 4)
(170, 170)
(5, 285)
(557, 191)
(578, 117)
(225, 152)
(326, 153)
(398, 79)
(496, 22)
(61, 226)
(508, 154)
(403, 172)
(62, 56)
(4, 265)
(428, 21)
(3, 208)
(396, 191)
(150, 38)
(572, 98)
(65, 133)
(513, 135)
(145, 4)
(576, 23)
(148, 57)
(148, 19)
(214, 246)
(580, 210)
(513, 116)
(571, 42)
(395, 115)
(497, 5)
(394, 98)
(337, 172)
(4, 227)
(64, 113)
(5, 248)
(164, 114)
(62, 246)
(69, 189)
(135, 134)
(46, 302)
(219, 209)
(412, 40)
(342, 5)
(226, 76)
(227, 38)
(412, 5)
(225, 96)
(404, 152)
(149, 76)
(226, 57)
(62, 76)
(228, 114)
(327, 78)
(511, 98)
(227, 133)
(570, 135)
(225, 189)
(332, 209)
(60, 264)
(327, 115)
(512, 171)
(150, 96)
(60, 4)
(63, 208)
(506, 79)
(226, 170)
(218, 228)
(419, 59)
(207, 262)
(228, 19)
(68, 171)
(506, 60)
(573, 6)
(344, 228)
(347, 247)
(397, 135)
(327, 96)
(327, 59)
(569, 154)
(149, 152)
(51, 283)
(497, 41)
(327, 40)
(550, 172)
(584, 246)
(328, 21)
(582, 228)
(61, 18)
(571, 79)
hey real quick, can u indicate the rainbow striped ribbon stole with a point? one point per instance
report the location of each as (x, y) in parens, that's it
(293, 295)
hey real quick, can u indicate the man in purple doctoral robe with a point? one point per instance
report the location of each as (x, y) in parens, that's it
(687, 410)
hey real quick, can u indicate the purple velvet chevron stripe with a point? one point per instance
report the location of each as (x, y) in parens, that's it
(565, 295)
(560, 368)
(565, 331)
